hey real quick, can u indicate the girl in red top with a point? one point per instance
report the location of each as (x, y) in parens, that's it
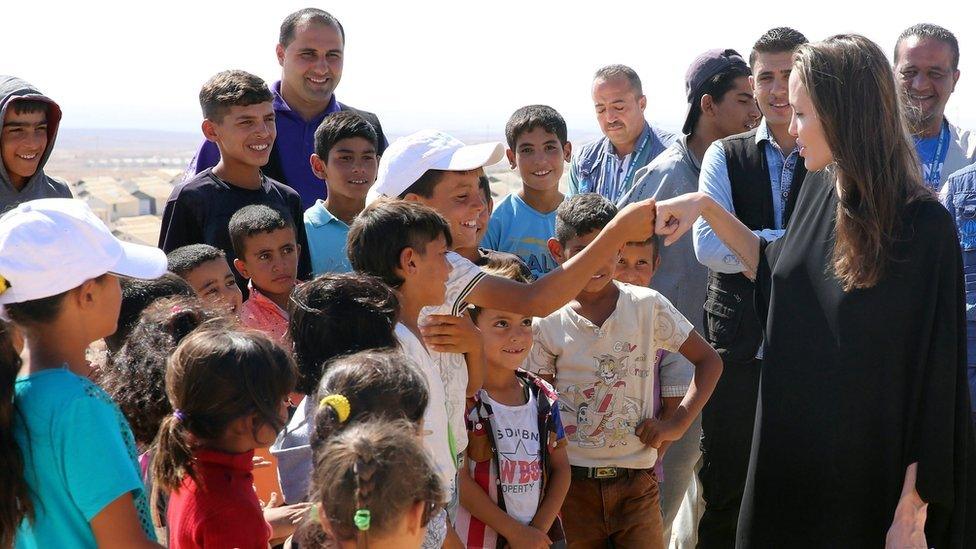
(228, 390)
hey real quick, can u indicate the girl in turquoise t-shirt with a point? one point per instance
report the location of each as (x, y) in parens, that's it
(69, 477)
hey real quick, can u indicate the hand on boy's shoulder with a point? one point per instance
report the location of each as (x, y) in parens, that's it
(451, 334)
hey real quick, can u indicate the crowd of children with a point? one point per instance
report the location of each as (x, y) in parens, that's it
(405, 363)
(376, 354)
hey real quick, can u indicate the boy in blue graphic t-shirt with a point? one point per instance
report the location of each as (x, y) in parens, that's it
(524, 221)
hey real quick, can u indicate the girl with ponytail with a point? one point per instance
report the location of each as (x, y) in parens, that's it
(228, 390)
(377, 385)
(377, 487)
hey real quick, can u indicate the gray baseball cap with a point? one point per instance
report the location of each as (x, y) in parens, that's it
(703, 69)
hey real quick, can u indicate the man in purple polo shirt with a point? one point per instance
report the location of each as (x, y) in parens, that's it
(310, 52)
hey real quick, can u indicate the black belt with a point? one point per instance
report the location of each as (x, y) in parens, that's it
(603, 472)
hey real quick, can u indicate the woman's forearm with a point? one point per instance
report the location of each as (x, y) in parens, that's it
(736, 236)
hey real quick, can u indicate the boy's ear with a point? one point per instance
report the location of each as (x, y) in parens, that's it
(556, 249)
(510, 154)
(707, 104)
(407, 264)
(209, 129)
(413, 197)
(318, 166)
(567, 151)
(241, 267)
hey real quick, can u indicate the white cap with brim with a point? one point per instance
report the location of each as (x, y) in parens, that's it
(53, 245)
(408, 158)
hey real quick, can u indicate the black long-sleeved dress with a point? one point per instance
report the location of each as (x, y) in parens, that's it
(858, 385)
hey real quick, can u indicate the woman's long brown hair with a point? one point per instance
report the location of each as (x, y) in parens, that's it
(852, 88)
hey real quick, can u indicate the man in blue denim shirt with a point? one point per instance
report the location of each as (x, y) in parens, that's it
(959, 197)
(609, 165)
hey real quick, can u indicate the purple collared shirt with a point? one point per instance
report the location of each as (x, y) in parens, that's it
(294, 144)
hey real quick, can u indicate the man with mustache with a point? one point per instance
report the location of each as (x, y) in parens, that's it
(927, 68)
(609, 165)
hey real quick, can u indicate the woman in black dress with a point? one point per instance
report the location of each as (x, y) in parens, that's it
(863, 436)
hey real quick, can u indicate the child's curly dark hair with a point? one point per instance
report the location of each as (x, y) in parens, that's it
(135, 376)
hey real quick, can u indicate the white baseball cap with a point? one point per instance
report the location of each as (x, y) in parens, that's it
(52, 245)
(407, 158)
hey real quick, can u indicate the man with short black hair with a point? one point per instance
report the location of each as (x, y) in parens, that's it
(757, 175)
(608, 166)
(310, 50)
(720, 104)
(927, 68)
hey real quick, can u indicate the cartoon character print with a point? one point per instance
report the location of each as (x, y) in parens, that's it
(605, 415)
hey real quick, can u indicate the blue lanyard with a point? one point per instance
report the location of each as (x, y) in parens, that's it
(935, 164)
(621, 186)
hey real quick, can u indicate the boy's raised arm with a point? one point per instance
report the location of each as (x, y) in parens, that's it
(635, 222)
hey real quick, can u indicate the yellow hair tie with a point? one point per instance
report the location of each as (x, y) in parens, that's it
(338, 403)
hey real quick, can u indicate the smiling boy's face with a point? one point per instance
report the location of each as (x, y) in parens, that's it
(349, 169)
(539, 157)
(244, 134)
(458, 198)
(507, 338)
(23, 142)
(636, 264)
(214, 282)
(271, 261)
(575, 245)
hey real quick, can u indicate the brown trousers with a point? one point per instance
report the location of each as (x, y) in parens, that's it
(625, 510)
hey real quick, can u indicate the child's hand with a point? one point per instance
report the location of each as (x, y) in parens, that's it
(451, 334)
(529, 538)
(654, 432)
(636, 220)
(284, 518)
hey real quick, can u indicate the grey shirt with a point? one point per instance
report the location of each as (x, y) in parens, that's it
(39, 185)
(680, 278)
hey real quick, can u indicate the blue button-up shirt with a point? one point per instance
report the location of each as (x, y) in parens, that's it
(596, 168)
(714, 181)
(326, 236)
